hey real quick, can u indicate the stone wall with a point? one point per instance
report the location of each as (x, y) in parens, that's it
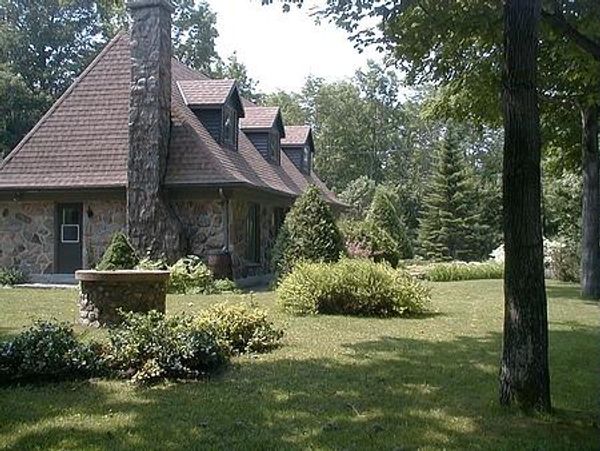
(203, 222)
(27, 236)
(101, 220)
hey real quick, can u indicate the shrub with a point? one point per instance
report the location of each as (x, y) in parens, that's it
(224, 286)
(150, 347)
(364, 239)
(354, 287)
(48, 351)
(383, 215)
(147, 264)
(564, 261)
(308, 233)
(454, 271)
(118, 255)
(190, 275)
(11, 276)
(240, 329)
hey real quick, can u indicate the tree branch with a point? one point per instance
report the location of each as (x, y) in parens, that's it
(559, 23)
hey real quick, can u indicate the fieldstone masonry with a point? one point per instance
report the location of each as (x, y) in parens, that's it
(27, 236)
(102, 293)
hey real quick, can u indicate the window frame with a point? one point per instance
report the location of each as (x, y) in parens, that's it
(306, 158)
(228, 141)
(274, 147)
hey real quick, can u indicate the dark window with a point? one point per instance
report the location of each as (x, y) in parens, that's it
(229, 135)
(274, 147)
(253, 233)
(306, 159)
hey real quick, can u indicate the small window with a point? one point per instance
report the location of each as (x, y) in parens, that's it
(69, 233)
(274, 147)
(306, 159)
(253, 233)
(230, 128)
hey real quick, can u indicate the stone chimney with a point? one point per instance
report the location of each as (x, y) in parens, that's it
(152, 226)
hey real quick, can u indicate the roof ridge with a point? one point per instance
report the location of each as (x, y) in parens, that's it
(62, 98)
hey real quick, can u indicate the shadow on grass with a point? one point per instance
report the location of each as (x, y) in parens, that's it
(389, 393)
(568, 293)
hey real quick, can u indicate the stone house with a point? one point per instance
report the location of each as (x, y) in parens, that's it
(144, 144)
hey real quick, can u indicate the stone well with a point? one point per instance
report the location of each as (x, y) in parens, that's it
(101, 293)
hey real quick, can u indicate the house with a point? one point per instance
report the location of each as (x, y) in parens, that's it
(142, 143)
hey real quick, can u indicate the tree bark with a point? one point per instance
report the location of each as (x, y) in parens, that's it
(590, 237)
(524, 375)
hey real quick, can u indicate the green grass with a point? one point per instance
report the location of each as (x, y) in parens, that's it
(338, 383)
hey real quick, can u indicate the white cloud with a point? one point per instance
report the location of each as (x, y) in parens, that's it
(281, 49)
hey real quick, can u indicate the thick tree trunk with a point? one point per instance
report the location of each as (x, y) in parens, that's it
(590, 237)
(524, 376)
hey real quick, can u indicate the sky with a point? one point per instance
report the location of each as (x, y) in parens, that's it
(281, 49)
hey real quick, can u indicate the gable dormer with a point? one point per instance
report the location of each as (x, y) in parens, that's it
(264, 127)
(218, 105)
(299, 146)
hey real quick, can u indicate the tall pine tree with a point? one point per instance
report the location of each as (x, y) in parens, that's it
(450, 226)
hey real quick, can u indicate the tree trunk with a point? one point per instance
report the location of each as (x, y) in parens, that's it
(590, 237)
(524, 375)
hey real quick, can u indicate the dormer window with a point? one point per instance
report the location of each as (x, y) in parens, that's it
(218, 105)
(299, 147)
(229, 136)
(264, 127)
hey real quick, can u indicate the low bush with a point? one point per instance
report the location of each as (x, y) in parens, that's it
(48, 351)
(118, 255)
(354, 287)
(150, 347)
(454, 271)
(224, 286)
(12, 276)
(240, 329)
(364, 239)
(190, 275)
(564, 261)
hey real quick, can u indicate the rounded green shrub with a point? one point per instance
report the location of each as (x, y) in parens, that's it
(239, 328)
(353, 287)
(48, 351)
(151, 347)
(309, 233)
(189, 275)
(455, 271)
(12, 276)
(118, 255)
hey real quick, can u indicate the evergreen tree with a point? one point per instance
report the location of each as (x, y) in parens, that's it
(118, 255)
(384, 215)
(309, 233)
(450, 227)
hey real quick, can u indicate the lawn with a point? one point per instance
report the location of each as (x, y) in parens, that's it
(337, 383)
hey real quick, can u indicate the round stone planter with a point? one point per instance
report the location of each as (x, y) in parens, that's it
(102, 293)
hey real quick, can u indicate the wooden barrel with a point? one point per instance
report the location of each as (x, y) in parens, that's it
(220, 264)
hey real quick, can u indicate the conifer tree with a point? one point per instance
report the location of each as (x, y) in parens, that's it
(449, 227)
(308, 233)
(383, 214)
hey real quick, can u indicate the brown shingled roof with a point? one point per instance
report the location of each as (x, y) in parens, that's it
(82, 141)
(259, 117)
(296, 135)
(206, 91)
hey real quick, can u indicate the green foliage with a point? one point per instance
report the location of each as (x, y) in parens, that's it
(309, 233)
(239, 328)
(48, 351)
(359, 195)
(383, 215)
(364, 239)
(150, 347)
(12, 276)
(224, 286)
(118, 255)
(562, 206)
(189, 275)
(564, 259)
(353, 287)
(453, 271)
(450, 227)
